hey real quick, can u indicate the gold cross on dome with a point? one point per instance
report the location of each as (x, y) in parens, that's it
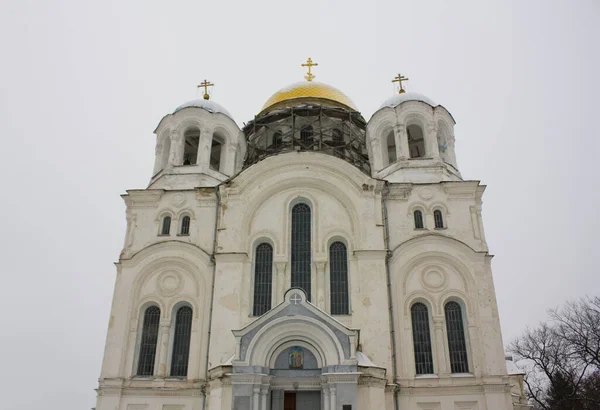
(309, 63)
(206, 84)
(398, 79)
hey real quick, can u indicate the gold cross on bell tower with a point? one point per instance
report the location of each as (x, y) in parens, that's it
(398, 79)
(309, 63)
(206, 84)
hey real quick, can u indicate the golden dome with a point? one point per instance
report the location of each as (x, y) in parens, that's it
(309, 89)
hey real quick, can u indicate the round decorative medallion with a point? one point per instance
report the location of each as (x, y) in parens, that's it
(178, 200)
(426, 193)
(433, 279)
(169, 283)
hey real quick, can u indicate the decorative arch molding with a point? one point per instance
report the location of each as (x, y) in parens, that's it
(263, 236)
(308, 346)
(183, 300)
(145, 303)
(420, 297)
(300, 188)
(455, 295)
(417, 205)
(438, 205)
(165, 248)
(315, 164)
(301, 328)
(446, 241)
(435, 260)
(186, 211)
(164, 212)
(338, 235)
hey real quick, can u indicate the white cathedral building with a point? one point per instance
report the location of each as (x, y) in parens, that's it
(312, 260)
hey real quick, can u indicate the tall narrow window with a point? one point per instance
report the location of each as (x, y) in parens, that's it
(301, 247)
(416, 141)
(438, 219)
(337, 138)
(263, 279)
(456, 338)
(306, 135)
(166, 226)
(190, 150)
(338, 285)
(421, 339)
(215, 154)
(185, 225)
(391, 148)
(148, 341)
(277, 139)
(181, 341)
(418, 220)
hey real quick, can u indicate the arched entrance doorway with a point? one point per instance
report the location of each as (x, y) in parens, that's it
(295, 357)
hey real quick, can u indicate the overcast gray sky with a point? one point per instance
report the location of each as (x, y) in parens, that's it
(83, 85)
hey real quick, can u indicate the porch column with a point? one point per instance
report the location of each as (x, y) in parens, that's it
(175, 149)
(325, 392)
(401, 141)
(256, 398)
(264, 393)
(332, 397)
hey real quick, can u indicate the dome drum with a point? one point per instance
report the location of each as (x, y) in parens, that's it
(333, 131)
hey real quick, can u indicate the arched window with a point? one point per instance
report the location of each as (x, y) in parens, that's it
(338, 284)
(185, 225)
(421, 339)
(438, 219)
(277, 139)
(181, 341)
(391, 148)
(306, 135)
(457, 346)
(215, 153)
(301, 247)
(418, 220)
(166, 226)
(337, 138)
(263, 279)
(416, 141)
(148, 341)
(190, 150)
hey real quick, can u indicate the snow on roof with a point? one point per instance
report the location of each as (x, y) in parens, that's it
(511, 367)
(400, 98)
(208, 105)
(364, 361)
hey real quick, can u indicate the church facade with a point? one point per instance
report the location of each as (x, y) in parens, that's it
(311, 260)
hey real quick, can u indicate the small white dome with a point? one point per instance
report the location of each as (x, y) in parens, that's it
(398, 99)
(208, 105)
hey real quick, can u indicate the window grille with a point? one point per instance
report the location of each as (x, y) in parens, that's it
(437, 217)
(418, 220)
(338, 273)
(306, 135)
(277, 139)
(421, 339)
(185, 225)
(263, 279)
(166, 226)
(181, 341)
(301, 247)
(337, 137)
(456, 338)
(148, 341)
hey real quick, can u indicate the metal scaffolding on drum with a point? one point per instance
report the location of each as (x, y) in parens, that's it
(328, 130)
